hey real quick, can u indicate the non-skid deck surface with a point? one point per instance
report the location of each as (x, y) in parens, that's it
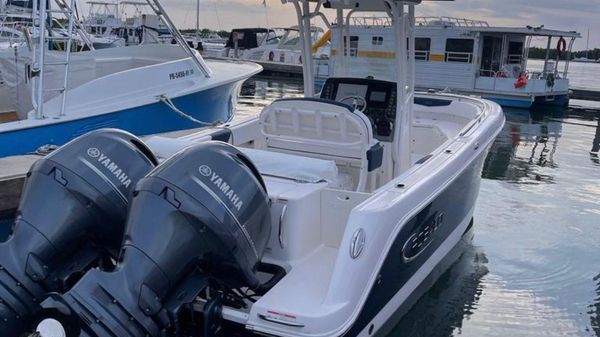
(6, 117)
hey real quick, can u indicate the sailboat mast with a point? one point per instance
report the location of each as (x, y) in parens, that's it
(587, 46)
(197, 17)
(266, 14)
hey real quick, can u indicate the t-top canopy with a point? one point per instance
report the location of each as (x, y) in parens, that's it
(362, 5)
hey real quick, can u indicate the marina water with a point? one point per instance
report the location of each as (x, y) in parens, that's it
(533, 266)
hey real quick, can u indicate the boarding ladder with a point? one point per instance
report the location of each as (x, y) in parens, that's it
(43, 39)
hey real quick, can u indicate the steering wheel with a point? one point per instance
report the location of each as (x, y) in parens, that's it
(358, 102)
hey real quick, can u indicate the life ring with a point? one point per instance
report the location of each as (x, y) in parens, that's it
(521, 81)
(561, 46)
(271, 56)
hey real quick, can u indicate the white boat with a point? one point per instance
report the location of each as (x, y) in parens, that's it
(584, 60)
(367, 189)
(50, 96)
(466, 56)
(16, 28)
(277, 49)
(241, 40)
(120, 23)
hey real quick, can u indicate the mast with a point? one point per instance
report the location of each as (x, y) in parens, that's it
(197, 18)
(587, 46)
(217, 14)
(267, 15)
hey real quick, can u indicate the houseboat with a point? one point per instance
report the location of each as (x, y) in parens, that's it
(468, 57)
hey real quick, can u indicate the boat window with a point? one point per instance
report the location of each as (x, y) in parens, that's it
(459, 50)
(353, 46)
(515, 52)
(422, 48)
(377, 40)
(292, 39)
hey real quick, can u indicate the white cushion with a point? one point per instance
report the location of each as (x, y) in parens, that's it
(298, 168)
(293, 167)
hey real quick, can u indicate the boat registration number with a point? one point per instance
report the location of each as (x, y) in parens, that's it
(181, 74)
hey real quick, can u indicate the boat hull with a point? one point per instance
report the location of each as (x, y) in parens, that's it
(398, 278)
(525, 103)
(208, 106)
(558, 100)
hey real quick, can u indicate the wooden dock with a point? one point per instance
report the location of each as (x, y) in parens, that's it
(12, 175)
(585, 94)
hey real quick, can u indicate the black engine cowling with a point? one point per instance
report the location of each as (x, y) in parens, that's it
(70, 218)
(201, 216)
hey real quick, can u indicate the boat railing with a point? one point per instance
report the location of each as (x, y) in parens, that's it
(371, 21)
(422, 55)
(515, 58)
(11, 34)
(446, 21)
(459, 57)
(487, 73)
(449, 21)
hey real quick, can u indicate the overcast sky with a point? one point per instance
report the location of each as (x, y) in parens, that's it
(576, 15)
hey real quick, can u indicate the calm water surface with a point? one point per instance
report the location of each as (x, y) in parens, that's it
(534, 266)
(581, 75)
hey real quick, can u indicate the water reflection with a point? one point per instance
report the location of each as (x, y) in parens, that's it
(524, 151)
(596, 146)
(453, 299)
(260, 91)
(594, 311)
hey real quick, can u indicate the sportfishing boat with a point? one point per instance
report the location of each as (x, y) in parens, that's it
(16, 27)
(122, 23)
(323, 216)
(466, 56)
(57, 95)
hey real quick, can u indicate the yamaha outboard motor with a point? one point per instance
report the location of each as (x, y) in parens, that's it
(71, 217)
(200, 218)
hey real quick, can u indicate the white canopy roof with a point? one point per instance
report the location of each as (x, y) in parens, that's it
(363, 5)
(530, 31)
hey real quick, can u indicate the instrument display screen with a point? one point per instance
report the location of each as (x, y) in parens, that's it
(378, 96)
(346, 89)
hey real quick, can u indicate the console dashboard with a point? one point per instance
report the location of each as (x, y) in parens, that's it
(380, 97)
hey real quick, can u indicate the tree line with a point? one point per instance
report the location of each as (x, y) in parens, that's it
(540, 53)
(206, 31)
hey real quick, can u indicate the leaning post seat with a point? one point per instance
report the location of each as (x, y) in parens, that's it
(325, 129)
